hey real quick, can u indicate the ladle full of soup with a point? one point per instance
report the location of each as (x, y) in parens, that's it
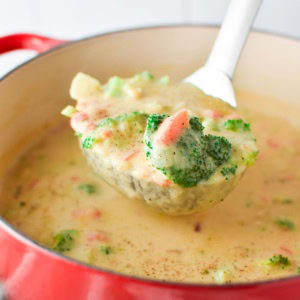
(169, 144)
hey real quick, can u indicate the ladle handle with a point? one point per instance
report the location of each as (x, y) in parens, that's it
(233, 35)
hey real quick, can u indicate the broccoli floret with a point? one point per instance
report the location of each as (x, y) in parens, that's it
(196, 124)
(64, 240)
(226, 171)
(237, 125)
(250, 158)
(194, 157)
(278, 261)
(154, 121)
(134, 116)
(88, 188)
(88, 142)
(105, 250)
(196, 165)
(219, 148)
(285, 224)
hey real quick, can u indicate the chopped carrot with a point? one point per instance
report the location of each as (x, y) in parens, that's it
(107, 133)
(289, 177)
(265, 200)
(167, 182)
(209, 113)
(90, 212)
(273, 143)
(161, 179)
(78, 117)
(95, 212)
(33, 184)
(78, 213)
(172, 127)
(286, 250)
(74, 178)
(131, 155)
(91, 126)
(97, 236)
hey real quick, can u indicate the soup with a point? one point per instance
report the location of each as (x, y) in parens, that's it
(56, 199)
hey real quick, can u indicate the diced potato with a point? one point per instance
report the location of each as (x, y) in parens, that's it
(84, 86)
(223, 275)
(68, 111)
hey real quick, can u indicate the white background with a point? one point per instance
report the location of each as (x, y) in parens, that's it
(73, 19)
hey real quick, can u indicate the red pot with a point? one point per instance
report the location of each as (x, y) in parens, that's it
(31, 98)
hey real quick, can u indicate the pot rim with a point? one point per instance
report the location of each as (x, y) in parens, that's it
(20, 236)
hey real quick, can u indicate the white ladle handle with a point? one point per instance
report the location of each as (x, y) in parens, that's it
(232, 35)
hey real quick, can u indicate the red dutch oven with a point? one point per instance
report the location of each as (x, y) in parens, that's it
(32, 96)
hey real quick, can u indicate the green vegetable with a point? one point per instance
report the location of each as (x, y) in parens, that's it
(78, 134)
(286, 201)
(250, 158)
(154, 121)
(164, 80)
(64, 240)
(134, 117)
(88, 188)
(285, 223)
(105, 250)
(226, 171)
(282, 200)
(298, 270)
(147, 75)
(114, 87)
(237, 125)
(278, 261)
(88, 142)
(139, 80)
(196, 124)
(68, 111)
(219, 148)
(193, 158)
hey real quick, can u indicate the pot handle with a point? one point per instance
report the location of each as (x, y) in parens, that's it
(2, 294)
(28, 41)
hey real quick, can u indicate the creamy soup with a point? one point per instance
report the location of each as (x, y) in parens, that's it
(55, 198)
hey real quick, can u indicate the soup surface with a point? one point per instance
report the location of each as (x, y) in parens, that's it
(55, 198)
